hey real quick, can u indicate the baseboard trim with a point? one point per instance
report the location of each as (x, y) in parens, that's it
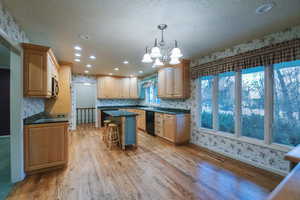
(241, 161)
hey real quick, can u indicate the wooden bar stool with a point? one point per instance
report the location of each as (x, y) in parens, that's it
(113, 134)
(105, 132)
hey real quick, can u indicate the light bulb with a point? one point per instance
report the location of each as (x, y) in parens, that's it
(155, 52)
(147, 58)
(176, 53)
(158, 62)
(174, 61)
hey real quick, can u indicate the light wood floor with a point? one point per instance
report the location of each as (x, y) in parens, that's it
(156, 170)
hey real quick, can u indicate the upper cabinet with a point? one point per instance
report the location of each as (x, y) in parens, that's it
(109, 87)
(174, 81)
(40, 66)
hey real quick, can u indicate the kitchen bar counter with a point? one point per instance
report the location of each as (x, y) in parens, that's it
(147, 108)
(44, 118)
(120, 113)
(128, 126)
(289, 188)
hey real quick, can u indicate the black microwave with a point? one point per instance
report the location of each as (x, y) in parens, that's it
(55, 87)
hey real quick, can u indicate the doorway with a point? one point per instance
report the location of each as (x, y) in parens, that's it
(86, 104)
(5, 140)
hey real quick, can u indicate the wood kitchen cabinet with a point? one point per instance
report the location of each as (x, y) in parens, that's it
(174, 128)
(174, 81)
(62, 103)
(40, 66)
(45, 146)
(109, 87)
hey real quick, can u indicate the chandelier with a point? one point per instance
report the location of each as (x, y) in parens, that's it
(160, 53)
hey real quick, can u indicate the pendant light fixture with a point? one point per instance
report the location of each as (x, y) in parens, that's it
(147, 57)
(155, 51)
(161, 53)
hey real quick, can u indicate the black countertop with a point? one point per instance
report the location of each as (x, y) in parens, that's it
(147, 108)
(44, 118)
(119, 113)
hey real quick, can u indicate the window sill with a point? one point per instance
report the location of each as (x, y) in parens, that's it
(278, 147)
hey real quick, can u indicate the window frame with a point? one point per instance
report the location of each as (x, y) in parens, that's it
(268, 111)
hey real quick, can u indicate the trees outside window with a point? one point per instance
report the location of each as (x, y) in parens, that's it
(226, 99)
(286, 107)
(206, 102)
(253, 103)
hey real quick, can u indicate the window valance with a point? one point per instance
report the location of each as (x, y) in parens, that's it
(276, 53)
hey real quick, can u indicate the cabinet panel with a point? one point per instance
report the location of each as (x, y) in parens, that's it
(169, 127)
(159, 130)
(161, 83)
(178, 81)
(169, 81)
(46, 146)
(125, 87)
(133, 88)
(35, 71)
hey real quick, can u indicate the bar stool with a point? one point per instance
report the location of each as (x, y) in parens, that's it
(113, 135)
(104, 137)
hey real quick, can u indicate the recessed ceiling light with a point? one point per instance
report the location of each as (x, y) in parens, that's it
(264, 8)
(77, 60)
(88, 65)
(86, 71)
(78, 48)
(110, 74)
(77, 54)
(92, 57)
(84, 36)
(141, 72)
(125, 62)
(116, 69)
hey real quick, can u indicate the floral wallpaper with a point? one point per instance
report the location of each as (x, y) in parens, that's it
(12, 30)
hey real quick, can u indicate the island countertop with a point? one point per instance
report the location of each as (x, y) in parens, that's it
(120, 113)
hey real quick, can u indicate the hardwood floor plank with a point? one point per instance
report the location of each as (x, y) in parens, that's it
(155, 170)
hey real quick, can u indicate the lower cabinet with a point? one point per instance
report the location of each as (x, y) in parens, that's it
(46, 147)
(174, 128)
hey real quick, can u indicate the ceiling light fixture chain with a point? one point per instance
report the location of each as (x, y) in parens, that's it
(161, 53)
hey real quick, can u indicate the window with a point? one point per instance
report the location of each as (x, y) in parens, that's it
(286, 107)
(226, 102)
(219, 95)
(253, 102)
(206, 102)
(151, 94)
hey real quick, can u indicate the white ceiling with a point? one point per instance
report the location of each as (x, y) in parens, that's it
(120, 29)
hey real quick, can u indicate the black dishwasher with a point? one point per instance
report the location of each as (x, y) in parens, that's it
(150, 122)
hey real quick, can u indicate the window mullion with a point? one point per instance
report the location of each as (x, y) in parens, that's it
(238, 103)
(215, 105)
(198, 99)
(268, 104)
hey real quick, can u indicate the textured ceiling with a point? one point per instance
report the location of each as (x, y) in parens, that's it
(120, 29)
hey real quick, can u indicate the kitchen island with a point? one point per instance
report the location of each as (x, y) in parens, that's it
(128, 126)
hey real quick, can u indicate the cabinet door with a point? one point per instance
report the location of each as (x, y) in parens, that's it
(133, 88)
(99, 88)
(169, 81)
(126, 88)
(45, 146)
(178, 81)
(159, 124)
(169, 127)
(36, 81)
(116, 88)
(142, 120)
(161, 83)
